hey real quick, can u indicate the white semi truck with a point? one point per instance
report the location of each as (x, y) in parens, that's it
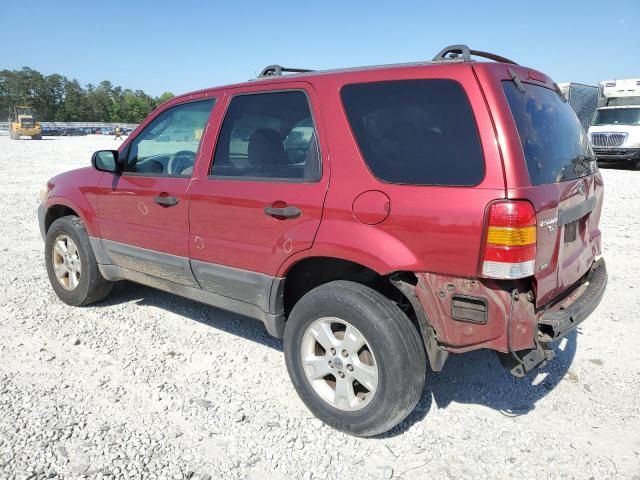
(615, 132)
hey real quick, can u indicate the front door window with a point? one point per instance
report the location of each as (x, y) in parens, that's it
(168, 145)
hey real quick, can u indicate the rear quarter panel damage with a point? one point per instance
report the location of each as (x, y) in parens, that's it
(436, 292)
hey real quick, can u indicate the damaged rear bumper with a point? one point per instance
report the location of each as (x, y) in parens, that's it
(559, 319)
(567, 314)
(458, 315)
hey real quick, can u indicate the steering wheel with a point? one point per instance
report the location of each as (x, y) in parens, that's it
(179, 161)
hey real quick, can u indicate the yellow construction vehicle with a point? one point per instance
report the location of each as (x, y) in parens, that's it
(23, 123)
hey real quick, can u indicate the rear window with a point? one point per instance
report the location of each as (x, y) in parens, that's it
(419, 132)
(554, 143)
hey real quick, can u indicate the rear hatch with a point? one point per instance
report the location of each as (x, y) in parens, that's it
(564, 184)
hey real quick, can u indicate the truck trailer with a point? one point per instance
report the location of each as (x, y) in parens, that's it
(583, 99)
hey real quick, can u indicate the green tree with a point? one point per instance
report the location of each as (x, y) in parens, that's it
(164, 97)
(55, 97)
(74, 106)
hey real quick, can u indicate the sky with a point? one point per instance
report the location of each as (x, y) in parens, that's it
(180, 46)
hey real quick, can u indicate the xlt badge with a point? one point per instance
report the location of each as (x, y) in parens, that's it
(550, 223)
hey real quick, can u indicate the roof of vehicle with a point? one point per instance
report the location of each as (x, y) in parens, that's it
(453, 55)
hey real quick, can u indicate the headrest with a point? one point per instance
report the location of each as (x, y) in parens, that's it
(266, 148)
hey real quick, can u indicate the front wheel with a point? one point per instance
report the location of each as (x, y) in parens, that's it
(354, 358)
(71, 266)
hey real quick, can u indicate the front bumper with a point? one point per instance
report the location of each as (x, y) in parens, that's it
(617, 155)
(42, 212)
(29, 131)
(566, 315)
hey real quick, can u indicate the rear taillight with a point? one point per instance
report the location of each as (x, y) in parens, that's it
(510, 243)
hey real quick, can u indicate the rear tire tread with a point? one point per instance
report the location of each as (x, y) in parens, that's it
(403, 344)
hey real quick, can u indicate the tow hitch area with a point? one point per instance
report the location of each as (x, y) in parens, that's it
(522, 362)
(559, 320)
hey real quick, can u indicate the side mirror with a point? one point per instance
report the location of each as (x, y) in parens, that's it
(106, 161)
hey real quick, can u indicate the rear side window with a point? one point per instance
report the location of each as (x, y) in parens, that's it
(554, 143)
(268, 135)
(419, 132)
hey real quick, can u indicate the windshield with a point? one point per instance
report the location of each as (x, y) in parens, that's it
(554, 143)
(618, 116)
(24, 111)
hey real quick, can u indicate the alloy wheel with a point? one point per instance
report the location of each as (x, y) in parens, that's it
(339, 364)
(66, 262)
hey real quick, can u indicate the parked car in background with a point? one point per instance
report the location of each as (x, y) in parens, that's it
(615, 133)
(50, 132)
(71, 132)
(458, 210)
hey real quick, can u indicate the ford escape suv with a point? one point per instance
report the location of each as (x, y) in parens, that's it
(374, 218)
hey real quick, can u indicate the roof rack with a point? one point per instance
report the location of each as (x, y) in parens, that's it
(273, 70)
(462, 53)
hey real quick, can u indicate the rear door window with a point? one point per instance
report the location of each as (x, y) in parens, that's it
(268, 136)
(418, 132)
(554, 143)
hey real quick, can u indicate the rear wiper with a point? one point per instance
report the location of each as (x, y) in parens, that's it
(516, 80)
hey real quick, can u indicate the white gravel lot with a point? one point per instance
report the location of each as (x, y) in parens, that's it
(148, 385)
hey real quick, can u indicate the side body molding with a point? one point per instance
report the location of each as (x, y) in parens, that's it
(252, 287)
(150, 262)
(253, 294)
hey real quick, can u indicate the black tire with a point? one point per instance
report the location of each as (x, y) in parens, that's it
(92, 287)
(37, 137)
(394, 341)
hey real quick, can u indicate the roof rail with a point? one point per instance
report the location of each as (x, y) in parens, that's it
(273, 70)
(462, 53)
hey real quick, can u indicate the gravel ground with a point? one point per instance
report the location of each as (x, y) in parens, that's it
(148, 385)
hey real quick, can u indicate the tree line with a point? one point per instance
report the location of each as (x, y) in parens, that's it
(57, 98)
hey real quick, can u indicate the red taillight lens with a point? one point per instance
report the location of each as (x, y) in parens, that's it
(512, 214)
(510, 243)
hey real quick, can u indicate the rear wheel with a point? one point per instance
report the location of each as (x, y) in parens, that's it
(37, 137)
(354, 358)
(71, 266)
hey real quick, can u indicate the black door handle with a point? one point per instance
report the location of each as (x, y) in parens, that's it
(166, 201)
(284, 212)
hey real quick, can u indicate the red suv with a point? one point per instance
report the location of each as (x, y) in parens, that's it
(372, 217)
